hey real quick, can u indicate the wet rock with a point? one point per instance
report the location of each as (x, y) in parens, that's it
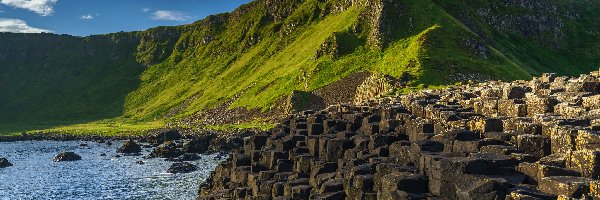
(4, 163)
(196, 146)
(66, 156)
(139, 162)
(185, 157)
(182, 167)
(130, 147)
(166, 150)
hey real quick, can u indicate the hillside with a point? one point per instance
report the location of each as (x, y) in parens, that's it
(269, 56)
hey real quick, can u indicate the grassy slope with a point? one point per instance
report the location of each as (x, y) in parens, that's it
(257, 59)
(265, 73)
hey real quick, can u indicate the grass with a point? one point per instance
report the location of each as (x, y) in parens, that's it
(96, 128)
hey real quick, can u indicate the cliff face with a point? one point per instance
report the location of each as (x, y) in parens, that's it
(258, 55)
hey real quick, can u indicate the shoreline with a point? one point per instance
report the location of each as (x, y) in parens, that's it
(223, 141)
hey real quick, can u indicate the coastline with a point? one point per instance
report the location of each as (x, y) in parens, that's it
(222, 141)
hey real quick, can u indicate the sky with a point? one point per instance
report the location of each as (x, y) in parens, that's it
(92, 17)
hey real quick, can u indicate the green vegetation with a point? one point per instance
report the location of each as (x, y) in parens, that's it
(98, 128)
(261, 53)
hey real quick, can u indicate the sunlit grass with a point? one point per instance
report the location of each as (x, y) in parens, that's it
(104, 128)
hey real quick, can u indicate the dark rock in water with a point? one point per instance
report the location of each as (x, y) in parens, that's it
(109, 143)
(186, 157)
(162, 135)
(102, 154)
(130, 147)
(182, 167)
(196, 146)
(83, 145)
(139, 162)
(117, 156)
(66, 156)
(166, 150)
(4, 163)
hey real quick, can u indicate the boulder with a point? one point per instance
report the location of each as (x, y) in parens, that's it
(130, 147)
(196, 146)
(166, 150)
(182, 167)
(4, 163)
(66, 156)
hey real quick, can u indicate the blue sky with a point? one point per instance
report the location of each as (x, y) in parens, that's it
(88, 17)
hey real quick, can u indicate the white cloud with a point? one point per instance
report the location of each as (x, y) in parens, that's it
(42, 7)
(18, 26)
(170, 15)
(146, 10)
(87, 17)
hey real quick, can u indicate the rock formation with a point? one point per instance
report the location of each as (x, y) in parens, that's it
(66, 156)
(130, 147)
(182, 167)
(4, 163)
(535, 139)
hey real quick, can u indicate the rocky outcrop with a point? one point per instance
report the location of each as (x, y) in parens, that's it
(374, 86)
(197, 145)
(166, 150)
(182, 167)
(66, 156)
(130, 147)
(492, 140)
(4, 163)
(380, 18)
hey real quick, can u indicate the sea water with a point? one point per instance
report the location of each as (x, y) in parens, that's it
(34, 175)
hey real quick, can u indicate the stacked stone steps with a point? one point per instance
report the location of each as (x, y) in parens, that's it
(534, 139)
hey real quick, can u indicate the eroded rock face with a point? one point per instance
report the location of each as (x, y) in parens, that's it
(492, 140)
(4, 163)
(130, 147)
(182, 167)
(66, 156)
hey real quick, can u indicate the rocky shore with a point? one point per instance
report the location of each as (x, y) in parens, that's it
(535, 139)
(205, 140)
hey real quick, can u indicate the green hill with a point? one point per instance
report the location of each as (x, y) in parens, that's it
(267, 51)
